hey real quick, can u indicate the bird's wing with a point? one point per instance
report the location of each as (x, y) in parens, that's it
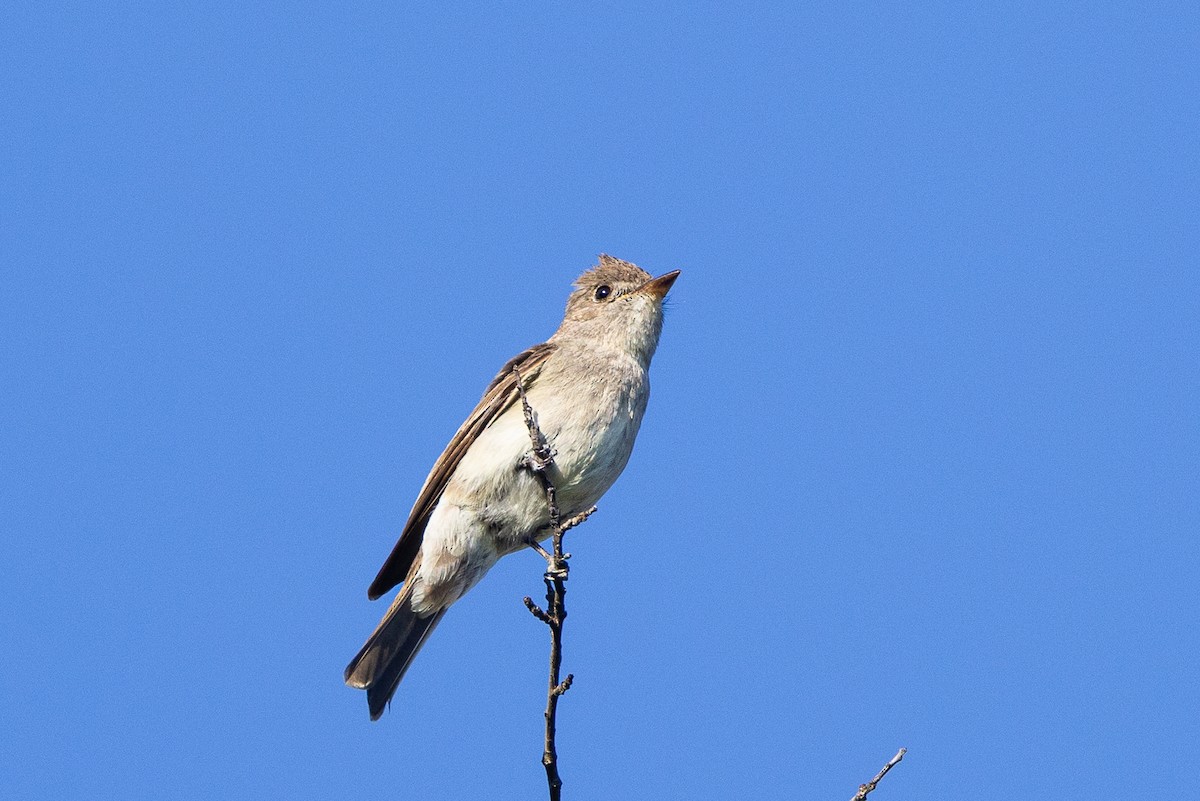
(500, 394)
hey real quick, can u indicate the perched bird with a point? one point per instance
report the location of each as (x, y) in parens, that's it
(588, 385)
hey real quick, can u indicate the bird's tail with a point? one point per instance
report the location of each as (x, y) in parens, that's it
(389, 651)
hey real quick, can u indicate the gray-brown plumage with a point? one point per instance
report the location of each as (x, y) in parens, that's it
(589, 386)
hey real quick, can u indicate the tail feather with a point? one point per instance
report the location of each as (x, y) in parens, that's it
(388, 652)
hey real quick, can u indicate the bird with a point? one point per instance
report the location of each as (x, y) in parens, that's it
(588, 384)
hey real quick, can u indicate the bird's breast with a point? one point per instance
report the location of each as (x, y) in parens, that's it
(592, 432)
(590, 419)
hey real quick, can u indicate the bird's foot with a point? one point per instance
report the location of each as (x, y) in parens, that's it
(556, 568)
(538, 461)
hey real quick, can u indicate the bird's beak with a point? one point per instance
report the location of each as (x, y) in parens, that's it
(657, 287)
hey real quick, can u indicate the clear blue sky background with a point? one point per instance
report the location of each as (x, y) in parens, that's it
(920, 468)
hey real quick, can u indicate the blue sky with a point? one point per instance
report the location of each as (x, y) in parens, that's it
(920, 468)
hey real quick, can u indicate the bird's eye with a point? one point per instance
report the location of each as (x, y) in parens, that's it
(603, 292)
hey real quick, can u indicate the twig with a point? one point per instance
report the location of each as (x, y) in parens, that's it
(540, 461)
(863, 789)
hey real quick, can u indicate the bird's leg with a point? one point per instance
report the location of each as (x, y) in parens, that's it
(556, 565)
(532, 542)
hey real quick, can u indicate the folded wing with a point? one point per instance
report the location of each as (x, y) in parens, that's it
(497, 398)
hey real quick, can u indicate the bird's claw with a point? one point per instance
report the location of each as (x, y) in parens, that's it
(538, 461)
(557, 569)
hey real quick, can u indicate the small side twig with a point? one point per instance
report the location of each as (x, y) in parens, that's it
(540, 461)
(864, 789)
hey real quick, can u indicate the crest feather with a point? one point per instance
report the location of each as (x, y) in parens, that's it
(613, 270)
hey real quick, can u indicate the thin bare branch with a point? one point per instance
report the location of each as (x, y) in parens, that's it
(536, 610)
(864, 789)
(540, 461)
(575, 521)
